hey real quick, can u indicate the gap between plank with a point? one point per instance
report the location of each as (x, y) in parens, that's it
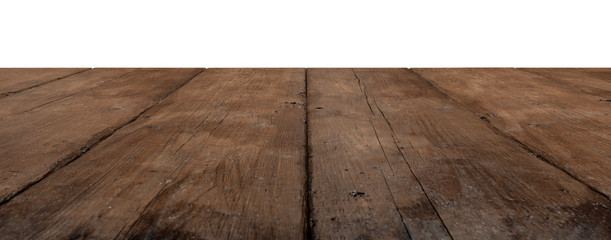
(363, 90)
(6, 94)
(513, 139)
(308, 205)
(85, 149)
(392, 133)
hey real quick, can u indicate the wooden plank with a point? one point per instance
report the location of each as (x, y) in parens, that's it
(54, 91)
(223, 157)
(14, 80)
(37, 142)
(603, 73)
(592, 81)
(361, 186)
(568, 128)
(483, 185)
(246, 177)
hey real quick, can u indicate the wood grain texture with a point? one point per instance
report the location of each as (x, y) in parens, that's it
(361, 186)
(57, 90)
(483, 185)
(223, 157)
(36, 142)
(246, 174)
(14, 80)
(306, 153)
(567, 127)
(592, 81)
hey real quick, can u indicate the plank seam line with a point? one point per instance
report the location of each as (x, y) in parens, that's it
(383, 151)
(50, 102)
(364, 92)
(308, 205)
(392, 196)
(6, 94)
(512, 139)
(62, 163)
(70, 95)
(412, 171)
(392, 133)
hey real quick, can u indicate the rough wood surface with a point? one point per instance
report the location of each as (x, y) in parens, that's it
(57, 90)
(223, 157)
(305, 154)
(245, 172)
(564, 125)
(14, 80)
(592, 81)
(36, 142)
(362, 187)
(483, 185)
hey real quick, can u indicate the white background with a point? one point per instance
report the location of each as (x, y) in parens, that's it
(375, 33)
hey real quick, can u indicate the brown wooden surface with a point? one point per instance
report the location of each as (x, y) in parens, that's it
(553, 118)
(305, 153)
(245, 169)
(14, 80)
(224, 150)
(361, 185)
(592, 81)
(51, 92)
(36, 142)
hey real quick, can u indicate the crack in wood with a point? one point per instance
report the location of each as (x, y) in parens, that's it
(364, 92)
(376, 133)
(383, 151)
(6, 94)
(392, 132)
(47, 103)
(392, 196)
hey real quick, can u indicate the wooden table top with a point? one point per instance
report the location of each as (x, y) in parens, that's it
(463, 153)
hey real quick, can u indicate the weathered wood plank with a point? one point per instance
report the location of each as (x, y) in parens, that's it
(223, 157)
(13, 80)
(482, 184)
(567, 127)
(54, 91)
(361, 186)
(36, 142)
(592, 81)
(246, 176)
